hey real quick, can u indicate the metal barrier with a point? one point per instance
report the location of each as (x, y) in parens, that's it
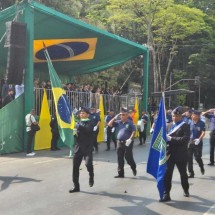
(86, 99)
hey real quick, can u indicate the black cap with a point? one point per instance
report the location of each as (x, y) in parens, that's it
(84, 109)
(197, 113)
(177, 111)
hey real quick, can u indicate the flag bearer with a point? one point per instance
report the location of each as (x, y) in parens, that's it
(177, 150)
(83, 149)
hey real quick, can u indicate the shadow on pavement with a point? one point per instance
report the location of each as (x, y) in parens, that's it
(8, 180)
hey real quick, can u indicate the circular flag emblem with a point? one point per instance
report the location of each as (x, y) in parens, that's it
(64, 109)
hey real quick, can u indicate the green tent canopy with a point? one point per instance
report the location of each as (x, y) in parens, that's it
(75, 48)
(110, 49)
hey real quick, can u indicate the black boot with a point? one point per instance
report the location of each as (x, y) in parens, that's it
(75, 189)
(191, 175)
(166, 198)
(91, 181)
(202, 170)
(186, 193)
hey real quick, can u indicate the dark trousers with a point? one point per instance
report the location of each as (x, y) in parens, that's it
(212, 146)
(125, 152)
(55, 137)
(182, 168)
(31, 135)
(197, 152)
(77, 159)
(110, 136)
(95, 143)
(142, 135)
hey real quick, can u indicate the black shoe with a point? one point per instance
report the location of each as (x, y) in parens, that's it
(191, 175)
(57, 148)
(119, 176)
(108, 149)
(74, 190)
(186, 193)
(134, 172)
(166, 198)
(91, 181)
(202, 170)
(211, 164)
(53, 149)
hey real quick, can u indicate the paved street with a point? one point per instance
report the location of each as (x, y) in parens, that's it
(39, 186)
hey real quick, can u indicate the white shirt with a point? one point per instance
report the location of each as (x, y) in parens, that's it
(29, 119)
(19, 89)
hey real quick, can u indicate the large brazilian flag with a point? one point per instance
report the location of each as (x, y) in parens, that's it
(62, 107)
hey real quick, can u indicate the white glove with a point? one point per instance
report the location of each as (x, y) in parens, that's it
(196, 142)
(128, 142)
(151, 130)
(116, 117)
(168, 138)
(95, 128)
(112, 130)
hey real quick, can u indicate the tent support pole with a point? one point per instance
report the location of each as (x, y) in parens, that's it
(29, 68)
(145, 81)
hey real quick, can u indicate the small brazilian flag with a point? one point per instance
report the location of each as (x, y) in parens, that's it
(62, 107)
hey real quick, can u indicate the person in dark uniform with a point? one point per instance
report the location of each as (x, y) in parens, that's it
(197, 128)
(95, 118)
(83, 148)
(8, 98)
(55, 133)
(124, 142)
(210, 114)
(177, 151)
(110, 130)
(142, 134)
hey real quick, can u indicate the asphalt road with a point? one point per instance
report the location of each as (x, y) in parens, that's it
(39, 186)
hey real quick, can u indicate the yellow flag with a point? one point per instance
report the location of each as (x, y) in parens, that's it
(101, 135)
(43, 136)
(136, 116)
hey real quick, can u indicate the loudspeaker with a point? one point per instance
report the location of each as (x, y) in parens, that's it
(15, 34)
(15, 41)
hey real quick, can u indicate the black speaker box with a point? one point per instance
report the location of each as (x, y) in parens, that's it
(16, 42)
(15, 65)
(15, 34)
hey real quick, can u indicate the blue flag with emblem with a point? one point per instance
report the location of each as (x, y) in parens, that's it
(156, 165)
(62, 107)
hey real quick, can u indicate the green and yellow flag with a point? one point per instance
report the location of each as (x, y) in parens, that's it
(136, 116)
(101, 135)
(62, 107)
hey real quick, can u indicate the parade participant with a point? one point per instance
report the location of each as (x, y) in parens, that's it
(177, 153)
(142, 134)
(30, 119)
(95, 118)
(210, 114)
(110, 130)
(186, 116)
(124, 142)
(55, 133)
(83, 148)
(197, 128)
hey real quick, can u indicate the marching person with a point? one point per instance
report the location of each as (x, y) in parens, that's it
(95, 118)
(197, 128)
(30, 119)
(177, 151)
(210, 114)
(110, 130)
(124, 142)
(142, 133)
(55, 133)
(83, 148)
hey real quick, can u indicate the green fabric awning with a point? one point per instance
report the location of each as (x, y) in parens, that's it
(106, 51)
